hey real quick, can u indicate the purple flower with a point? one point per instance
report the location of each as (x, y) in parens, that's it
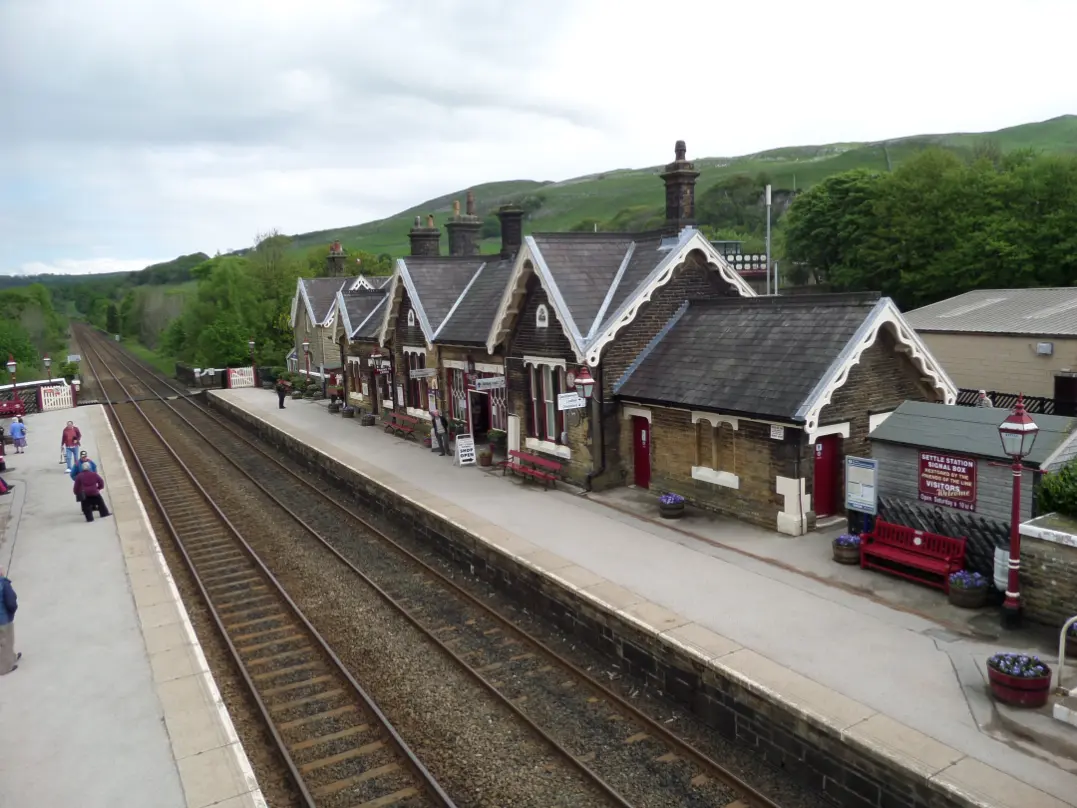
(1025, 666)
(847, 540)
(671, 499)
(1073, 630)
(963, 579)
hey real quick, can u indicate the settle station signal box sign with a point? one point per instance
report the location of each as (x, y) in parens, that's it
(948, 480)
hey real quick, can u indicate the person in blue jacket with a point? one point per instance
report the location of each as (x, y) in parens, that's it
(9, 603)
(83, 458)
(18, 433)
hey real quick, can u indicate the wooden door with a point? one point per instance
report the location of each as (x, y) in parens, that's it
(641, 443)
(1066, 396)
(826, 475)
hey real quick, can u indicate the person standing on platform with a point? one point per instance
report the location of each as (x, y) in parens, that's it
(69, 444)
(88, 488)
(282, 391)
(18, 434)
(9, 603)
(83, 458)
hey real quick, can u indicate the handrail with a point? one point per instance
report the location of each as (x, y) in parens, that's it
(1062, 649)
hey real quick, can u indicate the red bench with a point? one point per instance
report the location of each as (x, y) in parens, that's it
(401, 424)
(929, 553)
(533, 466)
(11, 409)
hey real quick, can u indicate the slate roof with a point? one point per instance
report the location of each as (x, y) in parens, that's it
(761, 356)
(359, 312)
(1045, 311)
(471, 319)
(971, 431)
(321, 294)
(439, 281)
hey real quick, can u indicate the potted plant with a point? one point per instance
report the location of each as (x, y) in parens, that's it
(426, 442)
(335, 406)
(967, 589)
(486, 457)
(498, 439)
(347, 412)
(1022, 680)
(846, 548)
(366, 419)
(671, 506)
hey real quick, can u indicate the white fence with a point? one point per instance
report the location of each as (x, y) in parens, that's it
(57, 397)
(240, 377)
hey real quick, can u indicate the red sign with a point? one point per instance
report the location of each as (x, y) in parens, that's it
(948, 480)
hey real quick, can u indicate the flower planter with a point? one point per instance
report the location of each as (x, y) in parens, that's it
(968, 598)
(1019, 691)
(1071, 646)
(347, 413)
(846, 553)
(675, 511)
(297, 394)
(334, 406)
(426, 441)
(486, 459)
(367, 420)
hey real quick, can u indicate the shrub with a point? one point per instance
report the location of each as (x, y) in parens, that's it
(1058, 491)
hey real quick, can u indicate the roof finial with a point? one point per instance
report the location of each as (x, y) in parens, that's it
(470, 203)
(680, 150)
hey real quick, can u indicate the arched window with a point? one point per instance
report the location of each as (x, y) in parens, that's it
(411, 318)
(542, 317)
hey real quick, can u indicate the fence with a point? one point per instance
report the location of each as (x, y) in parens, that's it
(240, 377)
(1036, 405)
(57, 397)
(32, 394)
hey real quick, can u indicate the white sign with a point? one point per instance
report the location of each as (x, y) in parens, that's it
(570, 401)
(861, 491)
(777, 432)
(423, 373)
(365, 387)
(465, 450)
(74, 357)
(489, 383)
(400, 395)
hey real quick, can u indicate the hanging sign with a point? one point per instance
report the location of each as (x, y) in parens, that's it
(948, 480)
(422, 373)
(570, 401)
(777, 432)
(74, 357)
(400, 395)
(465, 449)
(489, 383)
(861, 491)
(432, 402)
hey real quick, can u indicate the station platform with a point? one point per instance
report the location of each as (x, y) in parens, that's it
(112, 703)
(883, 674)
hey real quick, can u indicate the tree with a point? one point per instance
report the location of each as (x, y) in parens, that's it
(112, 319)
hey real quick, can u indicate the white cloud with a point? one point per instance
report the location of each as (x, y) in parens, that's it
(91, 266)
(163, 130)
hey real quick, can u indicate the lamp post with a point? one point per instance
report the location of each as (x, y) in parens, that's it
(306, 352)
(254, 370)
(1018, 434)
(47, 362)
(11, 368)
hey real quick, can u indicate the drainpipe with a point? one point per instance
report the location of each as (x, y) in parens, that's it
(596, 431)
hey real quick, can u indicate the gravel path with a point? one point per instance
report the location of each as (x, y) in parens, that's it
(475, 747)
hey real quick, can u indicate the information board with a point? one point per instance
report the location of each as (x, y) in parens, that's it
(948, 480)
(422, 373)
(570, 401)
(488, 383)
(465, 449)
(74, 357)
(861, 489)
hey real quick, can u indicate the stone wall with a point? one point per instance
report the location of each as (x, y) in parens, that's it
(819, 755)
(1048, 580)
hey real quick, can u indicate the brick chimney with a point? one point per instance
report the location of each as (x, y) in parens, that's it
(680, 179)
(425, 240)
(512, 229)
(335, 263)
(464, 230)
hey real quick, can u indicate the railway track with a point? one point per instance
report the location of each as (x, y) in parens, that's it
(339, 747)
(642, 761)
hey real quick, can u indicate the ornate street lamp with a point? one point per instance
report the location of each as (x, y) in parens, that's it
(254, 370)
(1018, 434)
(584, 384)
(47, 362)
(11, 368)
(306, 352)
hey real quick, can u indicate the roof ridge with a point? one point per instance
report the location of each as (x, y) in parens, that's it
(860, 298)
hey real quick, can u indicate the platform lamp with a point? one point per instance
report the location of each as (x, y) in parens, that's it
(306, 352)
(47, 362)
(254, 370)
(11, 368)
(584, 384)
(1018, 434)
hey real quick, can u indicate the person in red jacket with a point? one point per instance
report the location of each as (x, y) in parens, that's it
(69, 445)
(88, 488)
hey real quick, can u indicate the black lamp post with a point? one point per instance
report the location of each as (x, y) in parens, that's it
(11, 368)
(1018, 434)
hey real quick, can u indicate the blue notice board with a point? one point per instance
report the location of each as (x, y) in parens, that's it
(861, 490)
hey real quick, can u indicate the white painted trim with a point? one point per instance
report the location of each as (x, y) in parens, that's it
(295, 302)
(830, 429)
(548, 447)
(411, 317)
(884, 313)
(488, 367)
(553, 362)
(542, 316)
(413, 349)
(612, 290)
(345, 321)
(515, 289)
(396, 291)
(714, 419)
(628, 411)
(876, 419)
(1046, 534)
(455, 364)
(723, 478)
(690, 239)
(793, 517)
(417, 413)
(1052, 458)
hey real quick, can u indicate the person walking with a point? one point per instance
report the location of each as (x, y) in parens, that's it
(83, 458)
(69, 445)
(5, 488)
(87, 490)
(9, 603)
(18, 434)
(282, 391)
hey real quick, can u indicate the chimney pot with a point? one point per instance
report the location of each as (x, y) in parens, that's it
(425, 240)
(456, 208)
(512, 229)
(470, 203)
(680, 150)
(430, 220)
(680, 180)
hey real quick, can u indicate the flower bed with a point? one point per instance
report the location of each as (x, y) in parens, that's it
(846, 548)
(968, 590)
(1021, 680)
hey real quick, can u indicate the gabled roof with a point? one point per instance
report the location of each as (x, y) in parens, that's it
(319, 297)
(1045, 311)
(359, 312)
(974, 431)
(434, 284)
(779, 358)
(596, 282)
(469, 320)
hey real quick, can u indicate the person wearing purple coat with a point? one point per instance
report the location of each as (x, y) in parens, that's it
(88, 488)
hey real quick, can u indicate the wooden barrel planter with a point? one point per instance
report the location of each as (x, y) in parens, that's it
(367, 419)
(334, 406)
(1016, 690)
(347, 413)
(671, 511)
(845, 552)
(968, 598)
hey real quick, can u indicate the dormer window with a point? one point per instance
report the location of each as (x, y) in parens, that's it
(411, 318)
(542, 317)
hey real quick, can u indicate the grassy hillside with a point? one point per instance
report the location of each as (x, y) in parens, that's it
(602, 196)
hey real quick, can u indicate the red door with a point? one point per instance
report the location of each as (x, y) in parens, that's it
(641, 442)
(826, 475)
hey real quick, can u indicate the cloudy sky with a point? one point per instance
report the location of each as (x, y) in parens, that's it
(132, 132)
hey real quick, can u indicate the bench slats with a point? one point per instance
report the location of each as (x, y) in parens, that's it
(929, 553)
(540, 468)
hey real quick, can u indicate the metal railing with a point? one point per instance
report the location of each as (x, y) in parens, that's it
(1036, 405)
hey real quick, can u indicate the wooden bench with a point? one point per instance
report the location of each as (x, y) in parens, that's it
(931, 554)
(533, 466)
(401, 424)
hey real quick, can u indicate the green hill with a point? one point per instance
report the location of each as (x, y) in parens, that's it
(637, 194)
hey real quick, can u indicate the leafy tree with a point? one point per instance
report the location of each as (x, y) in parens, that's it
(112, 319)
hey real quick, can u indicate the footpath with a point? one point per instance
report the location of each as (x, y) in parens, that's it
(887, 675)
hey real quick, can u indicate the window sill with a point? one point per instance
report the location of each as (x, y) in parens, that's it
(548, 447)
(723, 478)
(415, 413)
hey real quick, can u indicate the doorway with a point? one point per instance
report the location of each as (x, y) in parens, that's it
(641, 451)
(827, 468)
(1066, 396)
(480, 414)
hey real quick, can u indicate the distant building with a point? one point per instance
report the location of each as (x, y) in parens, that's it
(1009, 340)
